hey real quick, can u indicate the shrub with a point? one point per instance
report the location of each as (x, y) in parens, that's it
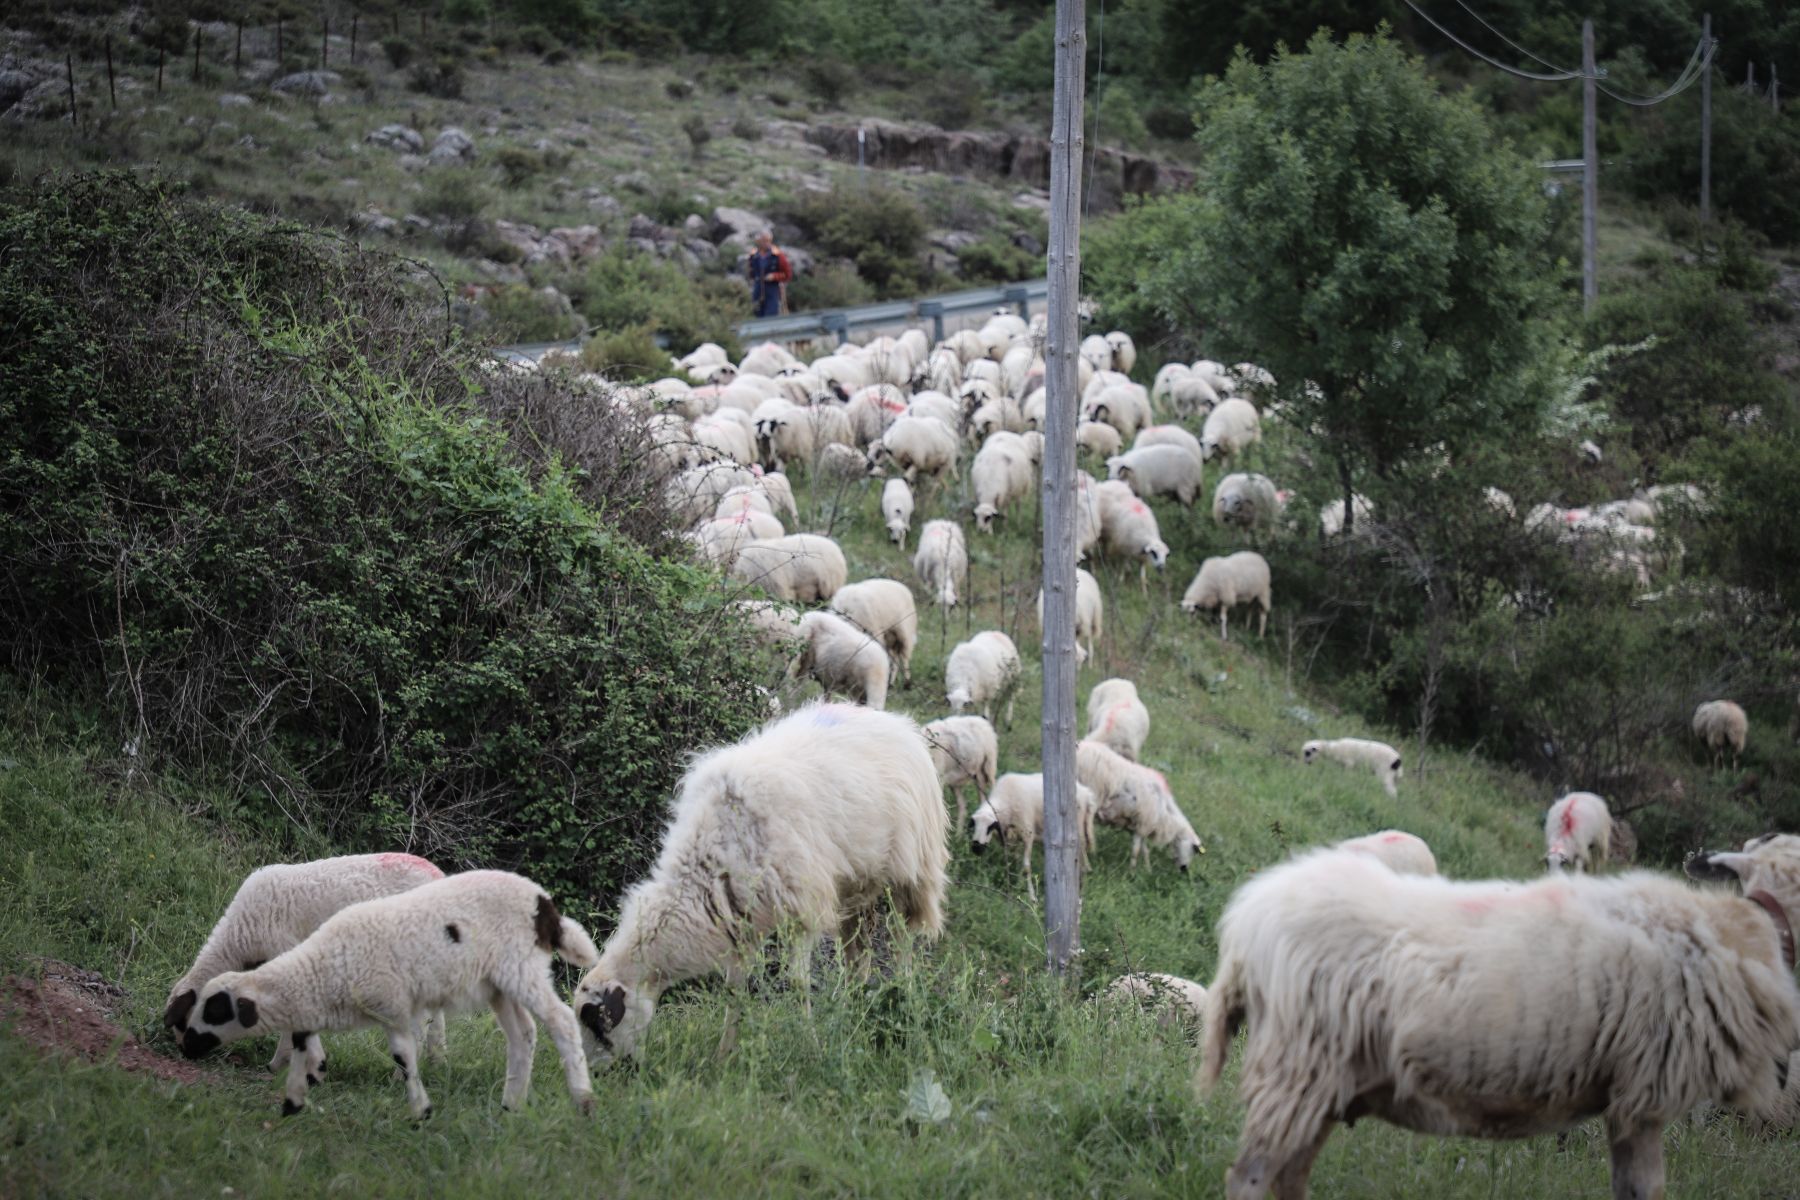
(441, 77)
(679, 89)
(294, 536)
(997, 260)
(746, 127)
(525, 314)
(518, 165)
(829, 285)
(630, 354)
(878, 228)
(828, 79)
(698, 133)
(455, 194)
(624, 289)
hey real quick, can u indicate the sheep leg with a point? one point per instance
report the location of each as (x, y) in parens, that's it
(540, 1000)
(521, 1045)
(1030, 883)
(1637, 1164)
(405, 1049)
(1137, 848)
(1290, 1181)
(1262, 627)
(283, 1049)
(299, 1079)
(1224, 636)
(437, 1036)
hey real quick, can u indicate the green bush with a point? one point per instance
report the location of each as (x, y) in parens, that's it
(698, 132)
(624, 289)
(828, 285)
(526, 314)
(1755, 159)
(441, 77)
(455, 194)
(879, 229)
(828, 79)
(251, 496)
(997, 260)
(518, 165)
(746, 127)
(630, 355)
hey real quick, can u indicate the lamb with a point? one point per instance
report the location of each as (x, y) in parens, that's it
(1230, 430)
(942, 560)
(897, 510)
(884, 610)
(783, 433)
(1404, 853)
(1158, 471)
(1174, 998)
(981, 672)
(1721, 723)
(918, 444)
(1499, 1010)
(1138, 799)
(1014, 811)
(1117, 719)
(1097, 438)
(1128, 528)
(1577, 833)
(468, 939)
(1001, 474)
(1378, 757)
(964, 750)
(804, 825)
(845, 659)
(800, 567)
(1248, 501)
(1088, 607)
(1226, 582)
(279, 906)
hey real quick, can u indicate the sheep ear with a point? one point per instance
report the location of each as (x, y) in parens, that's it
(1725, 867)
(612, 1004)
(177, 1014)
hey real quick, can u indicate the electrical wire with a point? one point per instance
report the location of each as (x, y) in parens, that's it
(1690, 75)
(1558, 77)
(1522, 50)
(1087, 194)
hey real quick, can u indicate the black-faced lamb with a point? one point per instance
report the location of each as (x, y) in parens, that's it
(965, 750)
(1500, 1009)
(1117, 718)
(1088, 613)
(982, 672)
(1722, 725)
(482, 937)
(884, 609)
(1378, 757)
(845, 660)
(1577, 833)
(1014, 813)
(805, 825)
(1228, 581)
(942, 561)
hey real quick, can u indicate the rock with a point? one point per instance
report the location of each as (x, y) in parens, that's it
(413, 162)
(637, 180)
(233, 100)
(532, 245)
(1027, 243)
(642, 228)
(397, 137)
(1033, 200)
(598, 201)
(416, 223)
(642, 245)
(307, 83)
(452, 145)
(373, 220)
(737, 226)
(500, 272)
(694, 226)
(702, 250)
(581, 241)
(247, 143)
(953, 240)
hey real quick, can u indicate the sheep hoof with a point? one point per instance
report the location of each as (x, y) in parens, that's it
(586, 1105)
(289, 1108)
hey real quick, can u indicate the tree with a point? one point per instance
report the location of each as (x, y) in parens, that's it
(1356, 228)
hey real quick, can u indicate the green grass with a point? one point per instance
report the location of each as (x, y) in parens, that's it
(1051, 1093)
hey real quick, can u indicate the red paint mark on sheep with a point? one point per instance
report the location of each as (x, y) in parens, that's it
(1391, 838)
(411, 862)
(1568, 819)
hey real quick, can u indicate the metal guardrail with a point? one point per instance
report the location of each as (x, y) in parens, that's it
(805, 327)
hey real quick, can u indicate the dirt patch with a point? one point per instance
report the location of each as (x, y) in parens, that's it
(69, 1011)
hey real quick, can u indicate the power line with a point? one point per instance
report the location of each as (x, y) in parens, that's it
(1522, 50)
(1690, 75)
(1087, 194)
(1558, 77)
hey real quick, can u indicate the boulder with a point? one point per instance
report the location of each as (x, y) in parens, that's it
(397, 137)
(452, 145)
(581, 241)
(736, 227)
(233, 100)
(307, 83)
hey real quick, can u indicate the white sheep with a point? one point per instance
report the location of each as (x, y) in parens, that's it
(918, 444)
(1158, 471)
(1577, 833)
(1097, 351)
(844, 659)
(765, 359)
(981, 672)
(1124, 406)
(1014, 812)
(1001, 474)
(1248, 501)
(1378, 757)
(897, 510)
(1138, 799)
(773, 624)
(784, 433)
(1124, 351)
(1331, 514)
(1097, 438)
(1500, 1009)
(1088, 523)
(800, 567)
(1228, 581)
(1117, 718)
(721, 538)
(965, 750)
(1088, 613)
(1128, 528)
(1003, 414)
(871, 410)
(1230, 430)
(1167, 435)
(279, 906)
(943, 370)
(942, 560)
(697, 491)
(724, 435)
(1404, 853)
(840, 464)
(937, 405)
(780, 493)
(805, 825)
(884, 609)
(482, 937)
(1172, 997)
(1720, 724)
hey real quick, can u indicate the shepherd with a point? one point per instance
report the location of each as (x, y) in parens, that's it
(769, 273)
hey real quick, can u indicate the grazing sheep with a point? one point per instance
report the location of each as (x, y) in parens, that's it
(1128, 528)
(897, 510)
(766, 359)
(918, 444)
(784, 434)
(883, 608)
(936, 405)
(1499, 502)
(844, 659)
(722, 435)
(1138, 799)
(964, 750)
(1014, 811)
(780, 494)
(1722, 723)
(1097, 352)
(1001, 474)
(942, 561)
(774, 624)
(1378, 757)
(1158, 471)
(840, 464)
(482, 937)
(1003, 414)
(1097, 438)
(1167, 435)
(697, 491)
(1248, 501)
(706, 354)
(801, 567)
(1124, 406)
(1404, 853)
(1124, 351)
(1088, 524)
(721, 538)
(1117, 719)
(1172, 997)
(943, 370)
(981, 672)
(1088, 608)
(1226, 582)
(279, 906)
(1230, 430)
(1499, 1009)
(1331, 514)
(1577, 833)
(871, 410)
(804, 825)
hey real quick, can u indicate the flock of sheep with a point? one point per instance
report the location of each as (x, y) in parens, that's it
(1366, 982)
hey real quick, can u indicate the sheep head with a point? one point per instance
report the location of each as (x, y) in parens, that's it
(224, 1011)
(613, 1017)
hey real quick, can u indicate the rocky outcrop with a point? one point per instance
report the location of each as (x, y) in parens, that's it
(1007, 156)
(452, 145)
(397, 137)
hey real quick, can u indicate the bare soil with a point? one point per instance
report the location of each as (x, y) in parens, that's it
(70, 1011)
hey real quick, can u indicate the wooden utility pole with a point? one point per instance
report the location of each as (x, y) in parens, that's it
(1706, 120)
(1062, 828)
(355, 20)
(197, 39)
(1590, 172)
(237, 53)
(112, 92)
(324, 42)
(74, 112)
(280, 54)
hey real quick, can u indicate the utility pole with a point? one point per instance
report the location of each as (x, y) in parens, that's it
(1590, 172)
(1706, 120)
(1062, 877)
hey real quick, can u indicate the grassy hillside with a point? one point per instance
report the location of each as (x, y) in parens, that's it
(1049, 1093)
